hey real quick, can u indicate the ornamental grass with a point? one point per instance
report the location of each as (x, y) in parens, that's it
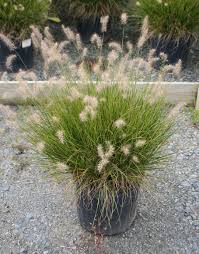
(93, 121)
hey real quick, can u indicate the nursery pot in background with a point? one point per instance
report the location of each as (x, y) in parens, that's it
(24, 56)
(121, 218)
(88, 27)
(175, 50)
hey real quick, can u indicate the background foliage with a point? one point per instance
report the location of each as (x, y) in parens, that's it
(90, 8)
(16, 16)
(171, 18)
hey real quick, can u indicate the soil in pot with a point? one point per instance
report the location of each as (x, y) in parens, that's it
(90, 26)
(24, 56)
(121, 219)
(175, 50)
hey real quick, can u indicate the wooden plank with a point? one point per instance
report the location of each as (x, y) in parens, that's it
(174, 91)
(197, 101)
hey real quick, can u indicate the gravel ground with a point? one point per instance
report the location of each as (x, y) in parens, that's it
(39, 216)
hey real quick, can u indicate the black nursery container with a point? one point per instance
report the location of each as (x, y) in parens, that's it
(175, 50)
(24, 56)
(91, 219)
(87, 27)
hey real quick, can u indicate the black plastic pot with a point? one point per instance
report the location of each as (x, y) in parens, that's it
(24, 56)
(87, 27)
(175, 50)
(92, 219)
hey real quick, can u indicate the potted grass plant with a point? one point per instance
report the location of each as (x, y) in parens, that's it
(107, 140)
(89, 12)
(16, 17)
(101, 129)
(173, 25)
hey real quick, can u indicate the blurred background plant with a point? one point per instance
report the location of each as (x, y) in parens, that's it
(85, 14)
(60, 8)
(173, 25)
(86, 9)
(171, 18)
(96, 8)
(103, 61)
(17, 16)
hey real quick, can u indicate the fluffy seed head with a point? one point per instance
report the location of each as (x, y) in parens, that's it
(35, 41)
(90, 111)
(35, 117)
(9, 61)
(90, 101)
(78, 41)
(69, 33)
(135, 159)
(37, 33)
(36, 37)
(116, 46)
(126, 149)
(144, 33)
(48, 34)
(110, 150)
(151, 54)
(104, 23)
(84, 52)
(129, 46)
(60, 135)
(108, 153)
(112, 56)
(140, 143)
(163, 56)
(62, 45)
(62, 167)
(177, 68)
(55, 119)
(119, 123)
(74, 94)
(104, 155)
(96, 68)
(100, 151)
(83, 116)
(124, 18)
(97, 40)
(40, 147)
(8, 43)
(168, 69)
(102, 164)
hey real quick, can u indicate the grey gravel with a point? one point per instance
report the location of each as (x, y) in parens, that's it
(38, 215)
